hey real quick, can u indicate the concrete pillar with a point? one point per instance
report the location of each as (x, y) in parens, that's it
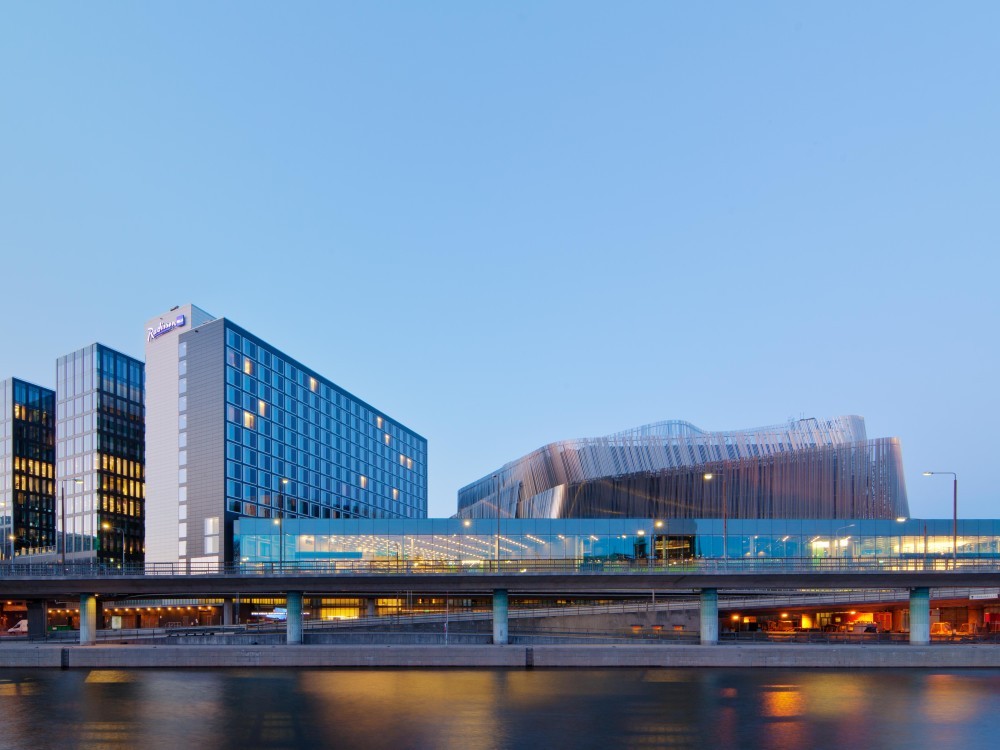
(293, 603)
(38, 619)
(227, 611)
(920, 616)
(709, 617)
(370, 610)
(88, 619)
(500, 617)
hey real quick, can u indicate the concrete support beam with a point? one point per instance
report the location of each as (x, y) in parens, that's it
(38, 619)
(709, 617)
(920, 616)
(227, 611)
(88, 619)
(370, 610)
(293, 603)
(500, 617)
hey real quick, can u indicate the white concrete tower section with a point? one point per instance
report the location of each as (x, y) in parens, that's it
(165, 509)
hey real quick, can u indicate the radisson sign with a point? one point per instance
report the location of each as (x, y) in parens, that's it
(164, 327)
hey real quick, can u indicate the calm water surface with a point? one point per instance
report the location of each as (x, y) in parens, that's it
(470, 709)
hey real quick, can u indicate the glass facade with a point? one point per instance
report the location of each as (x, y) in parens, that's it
(27, 468)
(666, 541)
(297, 445)
(100, 454)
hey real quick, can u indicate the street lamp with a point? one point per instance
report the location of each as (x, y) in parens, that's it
(62, 511)
(497, 555)
(108, 527)
(652, 542)
(708, 477)
(954, 512)
(281, 525)
(3, 516)
(836, 535)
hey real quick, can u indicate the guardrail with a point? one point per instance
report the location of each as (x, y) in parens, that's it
(585, 566)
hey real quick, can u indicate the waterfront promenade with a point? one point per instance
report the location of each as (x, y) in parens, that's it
(848, 656)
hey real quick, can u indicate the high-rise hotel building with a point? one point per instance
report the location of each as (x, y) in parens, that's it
(27, 468)
(100, 447)
(235, 427)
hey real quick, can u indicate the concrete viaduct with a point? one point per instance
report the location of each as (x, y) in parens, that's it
(37, 586)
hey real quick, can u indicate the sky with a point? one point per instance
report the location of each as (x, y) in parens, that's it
(510, 223)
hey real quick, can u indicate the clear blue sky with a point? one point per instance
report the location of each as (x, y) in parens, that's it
(511, 223)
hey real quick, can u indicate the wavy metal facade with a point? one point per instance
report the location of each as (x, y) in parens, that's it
(807, 468)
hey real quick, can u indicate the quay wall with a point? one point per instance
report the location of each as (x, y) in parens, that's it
(106, 656)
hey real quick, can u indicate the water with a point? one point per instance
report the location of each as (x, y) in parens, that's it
(470, 709)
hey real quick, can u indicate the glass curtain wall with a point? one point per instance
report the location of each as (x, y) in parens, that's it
(299, 446)
(27, 468)
(657, 541)
(101, 454)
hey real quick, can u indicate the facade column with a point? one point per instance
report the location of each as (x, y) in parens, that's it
(709, 617)
(370, 610)
(88, 619)
(920, 616)
(293, 604)
(227, 611)
(500, 617)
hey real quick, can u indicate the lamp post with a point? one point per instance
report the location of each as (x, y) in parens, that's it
(3, 517)
(497, 551)
(652, 542)
(281, 525)
(836, 535)
(954, 514)
(62, 512)
(709, 476)
(279, 522)
(108, 527)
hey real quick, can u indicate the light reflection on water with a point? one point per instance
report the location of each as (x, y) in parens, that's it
(470, 709)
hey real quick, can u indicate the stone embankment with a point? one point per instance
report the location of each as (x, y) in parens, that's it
(117, 656)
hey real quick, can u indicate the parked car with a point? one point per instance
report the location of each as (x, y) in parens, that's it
(942, 629)
(21, 628)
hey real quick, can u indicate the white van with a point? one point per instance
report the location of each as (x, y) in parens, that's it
(20, 629)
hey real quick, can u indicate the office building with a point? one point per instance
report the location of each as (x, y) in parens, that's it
(807, 468)
(235, 427)
(100, 449)
(27, 468)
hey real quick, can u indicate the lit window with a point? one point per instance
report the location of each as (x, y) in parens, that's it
(248, 365)
(249, 420)
(262, 407)
(313, 384)
(363, 481)
(387, 438)
(395, 494)
(402, 460)
(409, 463)
(378, 422)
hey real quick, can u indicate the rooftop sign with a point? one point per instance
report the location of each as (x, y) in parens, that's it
(164, 327)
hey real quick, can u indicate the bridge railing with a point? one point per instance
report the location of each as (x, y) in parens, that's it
(534, 566)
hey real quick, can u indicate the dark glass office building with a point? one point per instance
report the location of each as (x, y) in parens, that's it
(101, 455)
(27, 468)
